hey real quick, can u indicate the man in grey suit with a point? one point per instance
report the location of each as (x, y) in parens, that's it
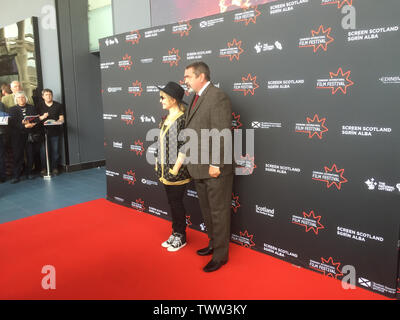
(213, 173)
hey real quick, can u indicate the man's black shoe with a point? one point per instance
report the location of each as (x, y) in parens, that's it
(214, 265)
(205, 251)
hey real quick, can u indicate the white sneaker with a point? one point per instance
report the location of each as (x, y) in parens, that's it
(178, 243)
(168, 243)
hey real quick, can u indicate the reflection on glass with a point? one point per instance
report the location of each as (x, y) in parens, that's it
(100, 22)
(18, 55)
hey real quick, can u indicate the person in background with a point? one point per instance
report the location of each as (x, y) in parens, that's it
(51, 110)
(25, 135)
(3, 133)
(9, 100)
(171, 172)
(5, 90)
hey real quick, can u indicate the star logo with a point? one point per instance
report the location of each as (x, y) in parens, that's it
(128, 117)
(139, 148)
(130, 177)
(246, 164)
(126, 62)
(236, 46)
(139, 205)
(133, 37)
(334, 177)
(236, 124)
(317, 220)
(322, 37)
(340, 74)
(336, 265)
(183, 28)
(338, 81)
(173, 57)
(136, 88)
(340, 3)
(322, 125)
(248, 85)
(235, 203)
(249, 237)
(313, 131)
(253, 18)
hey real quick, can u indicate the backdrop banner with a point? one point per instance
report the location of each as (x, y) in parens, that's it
(318, 82)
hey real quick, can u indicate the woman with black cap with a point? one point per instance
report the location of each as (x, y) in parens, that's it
(169, 164)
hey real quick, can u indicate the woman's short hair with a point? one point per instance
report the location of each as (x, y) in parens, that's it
(19, 94)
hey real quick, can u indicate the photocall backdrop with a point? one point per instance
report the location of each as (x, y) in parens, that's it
(324, 187)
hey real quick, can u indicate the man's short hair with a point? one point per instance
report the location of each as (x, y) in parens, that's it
(47, 90)
(199, 68)
(13, 83)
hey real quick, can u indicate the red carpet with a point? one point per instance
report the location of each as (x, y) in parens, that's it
(101, 250)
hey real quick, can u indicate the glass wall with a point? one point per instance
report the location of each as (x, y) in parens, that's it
(18, 60)
(100, 22)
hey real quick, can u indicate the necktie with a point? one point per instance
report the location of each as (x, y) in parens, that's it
(196, 97)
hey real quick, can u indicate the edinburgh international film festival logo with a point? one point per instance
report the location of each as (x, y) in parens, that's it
(331, 176)
(138, 205)
(137, 147)
(328, 267)
(310, 221)
(248, 15)
(338, 82)
(315, 127)
(244, 238)
(236, 123)
(126, 63)
(129, 177)
(172, 58)
(320, 39)
(248, 85)
(136, 88)
(182, 28)
(235, 202)
(233, 51)
(245, 165)
(133, 37)
(339, 3)
(128, 117)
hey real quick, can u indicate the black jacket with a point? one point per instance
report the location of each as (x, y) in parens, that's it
(15, 121)
(3, 129)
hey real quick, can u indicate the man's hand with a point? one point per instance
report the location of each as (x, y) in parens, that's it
(214, 171)
(30, 125)
(44, 116)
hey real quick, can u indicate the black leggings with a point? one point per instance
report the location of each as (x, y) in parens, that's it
(175, 199)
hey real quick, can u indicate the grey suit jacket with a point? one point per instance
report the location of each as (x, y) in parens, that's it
(213, 110)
